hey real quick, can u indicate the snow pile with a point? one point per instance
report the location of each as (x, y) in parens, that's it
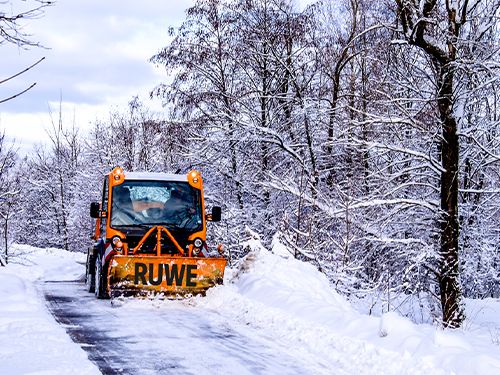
(295, 302)
(31, 342)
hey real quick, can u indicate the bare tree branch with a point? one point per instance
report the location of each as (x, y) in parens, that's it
(22, 71)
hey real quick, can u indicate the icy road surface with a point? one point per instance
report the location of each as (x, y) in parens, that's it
(134, 337)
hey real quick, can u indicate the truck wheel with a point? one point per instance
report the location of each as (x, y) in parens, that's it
(100, 280)
(89, 273)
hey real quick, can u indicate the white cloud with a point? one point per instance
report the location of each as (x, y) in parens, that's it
(98, 58)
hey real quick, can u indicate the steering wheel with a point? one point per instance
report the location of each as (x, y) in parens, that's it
(155, 213)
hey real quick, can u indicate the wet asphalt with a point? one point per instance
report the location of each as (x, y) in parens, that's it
(166, 338)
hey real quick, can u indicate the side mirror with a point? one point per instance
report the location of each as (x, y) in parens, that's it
(95, 210)
(216, 213)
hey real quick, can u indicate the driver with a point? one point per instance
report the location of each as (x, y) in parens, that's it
(176, 208)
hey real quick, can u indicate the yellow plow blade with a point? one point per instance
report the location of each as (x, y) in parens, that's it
(171, 276)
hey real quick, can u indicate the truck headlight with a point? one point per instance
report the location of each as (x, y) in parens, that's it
(117, 242)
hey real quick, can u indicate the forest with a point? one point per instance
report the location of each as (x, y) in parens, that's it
(364, 135)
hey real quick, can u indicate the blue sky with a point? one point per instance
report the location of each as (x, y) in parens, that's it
(96, 59)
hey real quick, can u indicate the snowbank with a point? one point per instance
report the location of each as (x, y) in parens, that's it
(294, 301)
(31, 342)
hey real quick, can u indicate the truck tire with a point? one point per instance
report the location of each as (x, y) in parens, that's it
(101, 280)
(89, 272)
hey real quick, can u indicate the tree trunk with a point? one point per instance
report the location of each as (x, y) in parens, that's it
(6, 238)
(416, 21)
(449, 281)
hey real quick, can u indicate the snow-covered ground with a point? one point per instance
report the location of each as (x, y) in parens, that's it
(31, 342)
(273, 296)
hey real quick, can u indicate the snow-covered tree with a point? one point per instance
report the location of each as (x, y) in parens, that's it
(9, 193)
(448, 34)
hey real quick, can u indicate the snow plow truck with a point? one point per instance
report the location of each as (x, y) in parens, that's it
(150, 237)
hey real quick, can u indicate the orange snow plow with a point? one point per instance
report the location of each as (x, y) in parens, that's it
(166, 275)
(150, 237)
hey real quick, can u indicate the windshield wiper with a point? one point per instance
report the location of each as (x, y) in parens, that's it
(147, 226)
(162, 223)
(169, 226)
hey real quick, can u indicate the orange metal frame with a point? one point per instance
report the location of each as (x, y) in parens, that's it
(158, 229)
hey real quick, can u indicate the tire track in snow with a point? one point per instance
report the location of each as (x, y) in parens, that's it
(138, 338)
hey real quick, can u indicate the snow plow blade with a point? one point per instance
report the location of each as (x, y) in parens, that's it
(167, 275)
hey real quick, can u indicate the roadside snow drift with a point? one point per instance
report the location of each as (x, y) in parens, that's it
(31, 342)
(294, 301)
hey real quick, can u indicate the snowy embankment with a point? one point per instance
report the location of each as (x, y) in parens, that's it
(277, 296)
(293, 300)
(31, 342)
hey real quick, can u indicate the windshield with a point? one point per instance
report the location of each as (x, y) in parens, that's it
(168, 203)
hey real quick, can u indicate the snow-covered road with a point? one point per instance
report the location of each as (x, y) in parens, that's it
(133, 337)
